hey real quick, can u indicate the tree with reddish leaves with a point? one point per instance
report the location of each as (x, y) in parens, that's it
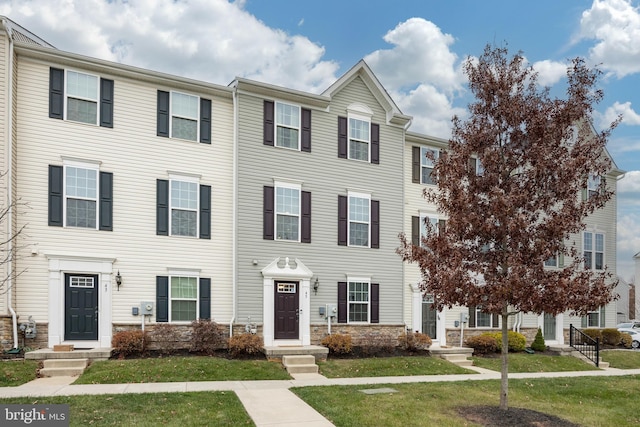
(524, 205)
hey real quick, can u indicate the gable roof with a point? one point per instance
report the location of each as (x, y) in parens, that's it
(362, 70)
(23, 35)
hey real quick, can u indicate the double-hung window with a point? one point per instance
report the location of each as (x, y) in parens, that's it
(593, 250)
(287, 212)
(182, 296)
(81, 196)
(426, 164)
(593, 185)
(358, 301)
(287, 126)
(183, 207)
(480, 319)
(551, 262)
(359, 138)
(80, 97)
(419, 228)
(184, 116)
(359, 219)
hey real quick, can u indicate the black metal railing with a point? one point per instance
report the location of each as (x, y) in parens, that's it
(587, 346)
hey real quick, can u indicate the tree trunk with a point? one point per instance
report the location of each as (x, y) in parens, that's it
(504, 371)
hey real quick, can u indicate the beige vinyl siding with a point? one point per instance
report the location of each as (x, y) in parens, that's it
(4, 131)
(326, 176)
(136, 157)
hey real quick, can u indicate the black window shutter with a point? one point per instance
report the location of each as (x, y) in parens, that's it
(472, 316)
(56, 195)
(205, 212)
(305, 136)
(267, 213)
(306, 217)
(342, 302)
(375, 303)
(375, 224)
(442, 226)
(205, 299)
(342, 137)
(106, 103)
(268, 129)
(495, 320)
(106, 201)
(472, 166)
(342, 220)
(415, 165)
(163, 114)
(375, 143)
(162, 299)
(205, 121)
(162, 207)
(415, 230)
(56, 93)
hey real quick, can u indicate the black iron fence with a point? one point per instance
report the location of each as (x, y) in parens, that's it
(587, 346)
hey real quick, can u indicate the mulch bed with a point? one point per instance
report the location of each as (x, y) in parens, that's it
(496, 417)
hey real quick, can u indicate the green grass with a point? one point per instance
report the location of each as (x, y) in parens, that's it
(621, 359)
(587, 401)
(169, 409)
(388, 366)
(173, 369)
(17, 372)
(522, 362)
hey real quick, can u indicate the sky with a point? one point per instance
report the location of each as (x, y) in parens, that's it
(415, 47)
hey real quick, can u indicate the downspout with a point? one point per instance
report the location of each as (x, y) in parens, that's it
(14, 317)
(234, 203)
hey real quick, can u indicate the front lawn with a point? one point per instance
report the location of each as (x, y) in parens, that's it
(15, 372)
(388, 366)
(178, 369)
(522, 362)
(621, 359)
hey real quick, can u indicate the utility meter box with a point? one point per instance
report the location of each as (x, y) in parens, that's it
(146, 308)
(332, 310)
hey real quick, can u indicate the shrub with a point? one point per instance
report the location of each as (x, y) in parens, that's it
(338, 343)
(626, 340)
(482, 344)
(593, 333)
(538, 342)
(128, 343)
(611, 336)
(245, 344)
(517, 341)
(206, 337)
(166, 338)
(412, 341)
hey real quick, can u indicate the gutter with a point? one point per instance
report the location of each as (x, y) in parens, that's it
(9, 139)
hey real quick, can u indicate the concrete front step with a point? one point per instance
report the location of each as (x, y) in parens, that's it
(91, 354)
(457, 355)
(300, 364)
(275, 354)
(63, 367)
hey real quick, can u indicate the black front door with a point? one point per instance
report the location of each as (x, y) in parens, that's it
(81, 307)
(429, 318)
(286, 311)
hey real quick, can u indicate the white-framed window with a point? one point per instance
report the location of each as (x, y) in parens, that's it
(359, 137)
(483, 320)
(435, 222)
(82, 92)
(593, 185)
(287, 215)
(593, 250)
(551, 261)
(359, 219)
(184, 205)
(426, 164)
(287, 126)
(81, 183)
(593, 319)
(183, 298)
(358, 300)
(479, 167)
(185, 113)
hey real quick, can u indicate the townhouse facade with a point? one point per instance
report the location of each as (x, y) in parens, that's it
(143, 198)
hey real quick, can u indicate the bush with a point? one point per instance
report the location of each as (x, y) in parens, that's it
(206, 337)
(538, 342)
(593, 333)
(625, 340)
(482, 344)
(412, 341)
(128, 343)
(610, 336)
(338, 343)
(517, 341)
(166, 338)
(245, 344)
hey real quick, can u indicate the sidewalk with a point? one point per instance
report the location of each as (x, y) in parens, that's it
(265, 400)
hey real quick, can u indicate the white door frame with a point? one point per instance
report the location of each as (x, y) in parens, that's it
(559, 329)
(416, 317)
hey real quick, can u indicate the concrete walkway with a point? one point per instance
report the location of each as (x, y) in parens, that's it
(265, 401)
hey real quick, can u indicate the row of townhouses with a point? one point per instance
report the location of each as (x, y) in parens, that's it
(147, 198)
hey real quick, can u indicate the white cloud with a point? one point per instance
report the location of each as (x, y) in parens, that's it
(421, 73)
(630, 184)
(550, 72)
(615, 24)
(211, 40)
(629, 116)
